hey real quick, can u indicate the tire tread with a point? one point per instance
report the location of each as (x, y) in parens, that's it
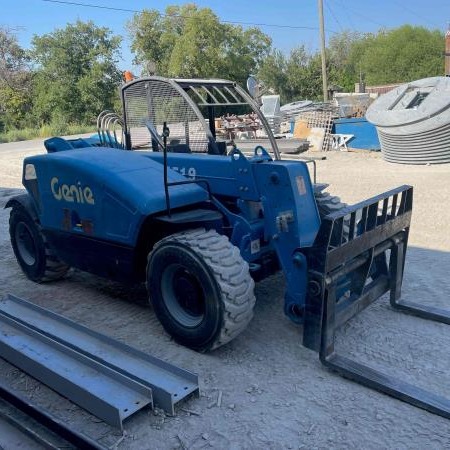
(232, 276)
(54, 269)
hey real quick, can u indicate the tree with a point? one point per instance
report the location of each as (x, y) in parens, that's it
(297, 77)
(341, 68)
(15, 81)
(273, 73)
(304, 73)
(188, 41)
(77, 74)
(400, 55)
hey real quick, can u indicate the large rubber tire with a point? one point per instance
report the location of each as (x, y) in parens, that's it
(327, 204)
(32, 251)
(200, 288)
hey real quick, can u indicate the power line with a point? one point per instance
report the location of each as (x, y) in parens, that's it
(347, 16)
(414, 13)
(362, 16)
(88, 5)
(333, 15)
(13, 29)
(111, 8)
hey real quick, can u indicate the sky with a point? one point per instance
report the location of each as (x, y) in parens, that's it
(282, 19)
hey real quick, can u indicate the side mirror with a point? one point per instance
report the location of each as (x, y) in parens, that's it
(253, 86)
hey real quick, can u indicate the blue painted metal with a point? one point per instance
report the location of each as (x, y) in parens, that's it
(58, 144)
(365, 134)
(115, 191)
(94, 139)
(283, 191)
(280, 185)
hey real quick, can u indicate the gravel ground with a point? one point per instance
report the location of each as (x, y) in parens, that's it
(274, 393)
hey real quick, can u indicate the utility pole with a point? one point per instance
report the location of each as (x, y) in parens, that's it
(447, 52)
(322, 52)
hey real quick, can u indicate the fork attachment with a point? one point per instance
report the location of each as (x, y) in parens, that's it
(359, 255)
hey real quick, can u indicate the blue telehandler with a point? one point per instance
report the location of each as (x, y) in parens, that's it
(176, 204)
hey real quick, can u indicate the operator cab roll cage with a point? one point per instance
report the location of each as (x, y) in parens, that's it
(193, 95)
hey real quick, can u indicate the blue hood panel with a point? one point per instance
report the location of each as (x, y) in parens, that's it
(113, 190)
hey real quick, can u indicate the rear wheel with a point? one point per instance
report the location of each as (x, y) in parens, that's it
(327, 204)
(200, 288)
(32, 251)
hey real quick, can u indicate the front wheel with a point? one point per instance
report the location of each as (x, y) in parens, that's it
(200, 288)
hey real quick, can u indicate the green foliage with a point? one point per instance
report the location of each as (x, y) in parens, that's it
(15, 106)
(191, 42)
(404, 54)
(342, 60)
(15, 82)
(273, 72)
(295, 77)
(44, 131)
(77, 73)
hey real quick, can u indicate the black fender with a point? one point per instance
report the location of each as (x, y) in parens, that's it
(27, 202)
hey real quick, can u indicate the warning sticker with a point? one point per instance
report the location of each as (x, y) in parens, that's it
(300, 185)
